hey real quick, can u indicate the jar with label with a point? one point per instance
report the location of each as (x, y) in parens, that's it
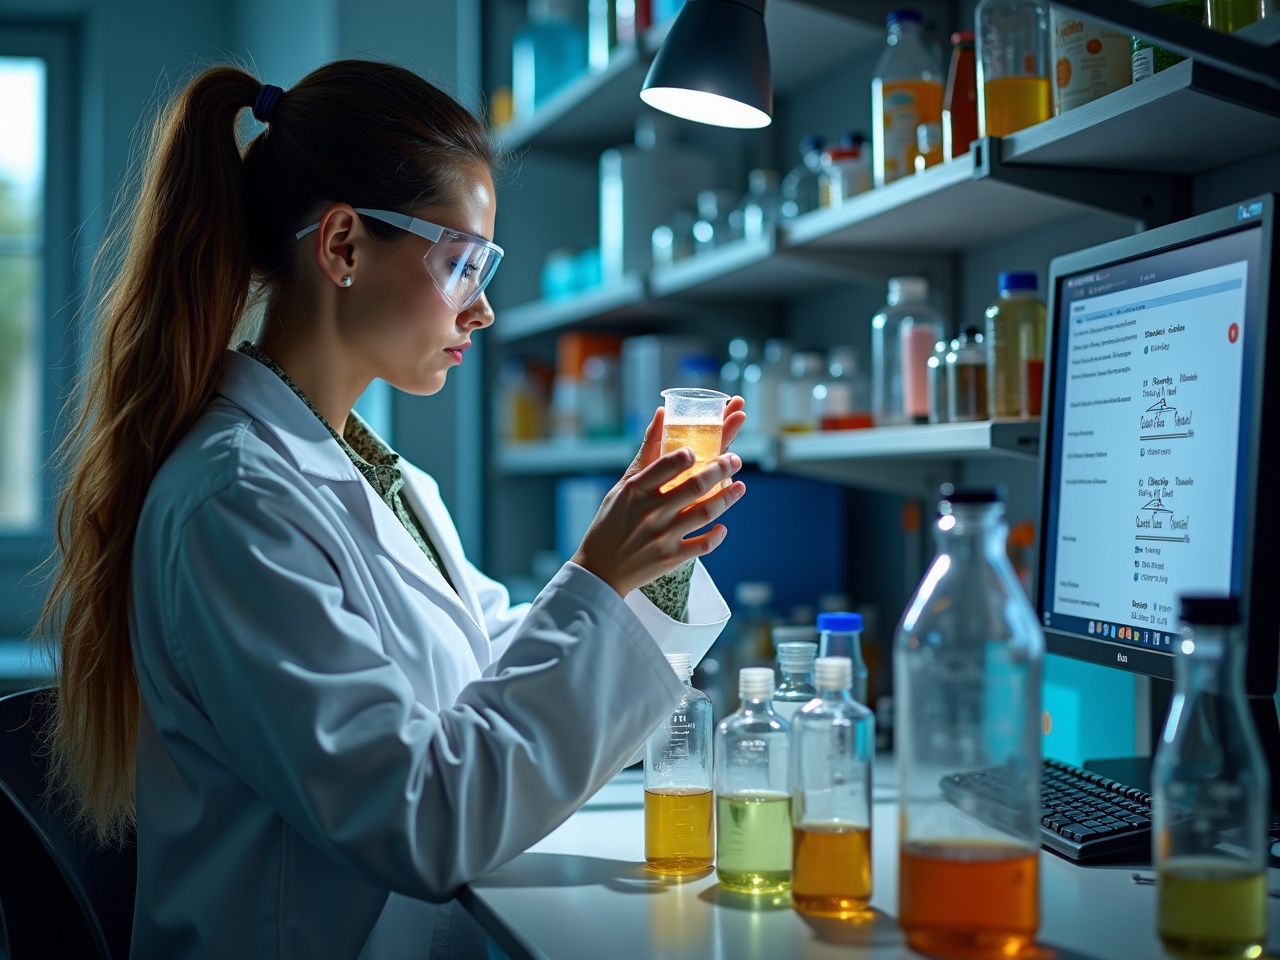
(845, 171)
(905, 92)
(1148, 59)
(1089, 60)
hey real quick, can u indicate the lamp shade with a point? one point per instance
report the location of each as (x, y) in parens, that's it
(713, 66)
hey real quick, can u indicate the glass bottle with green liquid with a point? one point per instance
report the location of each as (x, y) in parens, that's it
(753, 799)
(1211, 795)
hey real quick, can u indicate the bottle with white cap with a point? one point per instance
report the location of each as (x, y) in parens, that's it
(753, 796)
(677, 782)
(832, 751)
(795, 664)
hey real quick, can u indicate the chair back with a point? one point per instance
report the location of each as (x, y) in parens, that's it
(61, 892)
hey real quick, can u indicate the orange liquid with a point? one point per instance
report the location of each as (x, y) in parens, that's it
(831, 870)
(677, 831)
(969, 898)
(1011, 103)
(898, 107)
(1035, 386)
(702, 437)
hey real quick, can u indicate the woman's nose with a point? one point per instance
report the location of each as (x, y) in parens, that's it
(478, 315)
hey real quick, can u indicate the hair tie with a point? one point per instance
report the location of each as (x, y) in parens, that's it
(266, 101)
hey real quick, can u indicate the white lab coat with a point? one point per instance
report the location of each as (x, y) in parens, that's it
(332, 740)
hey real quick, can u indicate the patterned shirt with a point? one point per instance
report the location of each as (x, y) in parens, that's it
(377, 464)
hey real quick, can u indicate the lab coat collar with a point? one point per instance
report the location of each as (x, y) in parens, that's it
(258, 390)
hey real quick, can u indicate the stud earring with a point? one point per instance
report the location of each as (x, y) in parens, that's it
(346, 280)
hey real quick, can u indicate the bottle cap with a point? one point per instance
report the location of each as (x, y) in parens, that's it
(903, 16)
(950, 495)
(840, 622)
(755, 683)
(833, 673)
(908, 288)
(682, 664)
(1209, 611)
(1017, 280)
(753, 593)
(961, 36)
(797, 656)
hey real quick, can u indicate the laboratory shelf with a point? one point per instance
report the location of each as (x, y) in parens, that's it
(943, 210)
(598, 110)
(544, 457)
(618, 301)
(746, 270)
(1161, 124)
(909, 459)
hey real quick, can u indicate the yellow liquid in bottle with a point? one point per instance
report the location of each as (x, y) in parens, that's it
(831, 870)
(1011, 103)
(753, 840)
(677, 830)
(1015, 340)
(702, 437)
(1211, 908)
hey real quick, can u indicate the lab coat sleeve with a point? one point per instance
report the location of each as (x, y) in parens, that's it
(501, 618)
(312, 714)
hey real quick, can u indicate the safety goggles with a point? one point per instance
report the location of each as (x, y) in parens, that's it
(460, 264)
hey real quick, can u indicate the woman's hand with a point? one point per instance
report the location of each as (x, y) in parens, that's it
(640, 533)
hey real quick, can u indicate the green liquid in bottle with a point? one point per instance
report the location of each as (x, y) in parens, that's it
(753, 842)
(1212, 908)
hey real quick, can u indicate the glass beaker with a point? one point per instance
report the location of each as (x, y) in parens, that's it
(1013, 65)
(694, 418)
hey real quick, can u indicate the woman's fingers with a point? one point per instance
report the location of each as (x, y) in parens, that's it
(734, 418)
(704, 481)
(703, 543)
(650, 446)
(662, 471)
(702, 512)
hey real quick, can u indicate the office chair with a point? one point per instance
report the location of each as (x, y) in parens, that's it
(61, 893)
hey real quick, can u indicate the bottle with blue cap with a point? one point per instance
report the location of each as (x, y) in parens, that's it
(840, 635)
(1015, 332)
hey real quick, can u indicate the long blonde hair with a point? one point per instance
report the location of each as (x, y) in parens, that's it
(208, 219)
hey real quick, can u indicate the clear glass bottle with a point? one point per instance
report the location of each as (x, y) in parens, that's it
(967, 377)
(712, 228)
(1012, 52)
(840, 635)
(908, 300)
(919, 333)
(753, 796)
(760, 387)
(1211, 795)
(938, 410)
(1015, 347)
(906, 92)
(843, 400)
(677, 783)
(758, 210)
(833, 745)
(795, 669)
(795, 393)
(800, 185)
(967, 673)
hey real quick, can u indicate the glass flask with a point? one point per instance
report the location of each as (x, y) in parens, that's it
(753, 797)
(1211, 796)
(967, 672)
(795, 665)
(677, 782)
(833, 745)
(840, 635)
(1012, 53)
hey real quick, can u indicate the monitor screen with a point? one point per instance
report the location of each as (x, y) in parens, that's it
(1148, 434)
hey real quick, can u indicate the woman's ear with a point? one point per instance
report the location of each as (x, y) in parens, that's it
(336, 243)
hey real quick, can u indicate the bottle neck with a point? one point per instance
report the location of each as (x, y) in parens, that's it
(840, 694)
(795, 676)
(1214, 665)
(756, 705)
(973, 529)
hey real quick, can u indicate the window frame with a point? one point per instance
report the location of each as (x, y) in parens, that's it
(59, 348)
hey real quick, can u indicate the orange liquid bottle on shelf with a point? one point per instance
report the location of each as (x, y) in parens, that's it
(1012, 54)
(906, 93)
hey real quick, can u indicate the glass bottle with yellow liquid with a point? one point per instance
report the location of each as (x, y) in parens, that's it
(832, 750)
(1015, 347)
(693, 417)
(677, 782)
(967, 671)
(753, 797)
(1210, 796)
(906, 94)
(1012, 52)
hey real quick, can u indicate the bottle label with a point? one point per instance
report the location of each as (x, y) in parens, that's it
(1144, 64)
(1090, 60)
(906, 104)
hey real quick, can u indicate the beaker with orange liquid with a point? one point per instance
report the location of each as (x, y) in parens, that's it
(677, 782)
(967, 658)
(1012, 53)
(832, 749)
(693, 418)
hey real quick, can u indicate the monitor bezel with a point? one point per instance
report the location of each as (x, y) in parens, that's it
(1260, 598)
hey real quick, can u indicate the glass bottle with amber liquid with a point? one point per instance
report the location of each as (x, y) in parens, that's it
(833, 742)
(753, 797)
(1211, 796)
(967, 672)
(677, 783)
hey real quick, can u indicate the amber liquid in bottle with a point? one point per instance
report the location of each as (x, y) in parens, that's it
(677, 831)
(831, 871)
(1012, 103)
(969, 898)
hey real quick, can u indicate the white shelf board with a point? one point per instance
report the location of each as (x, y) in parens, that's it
(744, 270)
(1185, 120)
(941, 210)
(624, 298)
(564, 456)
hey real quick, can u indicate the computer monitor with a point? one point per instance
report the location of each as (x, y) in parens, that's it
(1160, 441)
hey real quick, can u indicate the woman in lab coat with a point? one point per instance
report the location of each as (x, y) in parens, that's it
(276, 659)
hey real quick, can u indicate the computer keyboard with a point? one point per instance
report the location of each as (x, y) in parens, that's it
(1084, 816)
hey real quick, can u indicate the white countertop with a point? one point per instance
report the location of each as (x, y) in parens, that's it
(584, 892)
